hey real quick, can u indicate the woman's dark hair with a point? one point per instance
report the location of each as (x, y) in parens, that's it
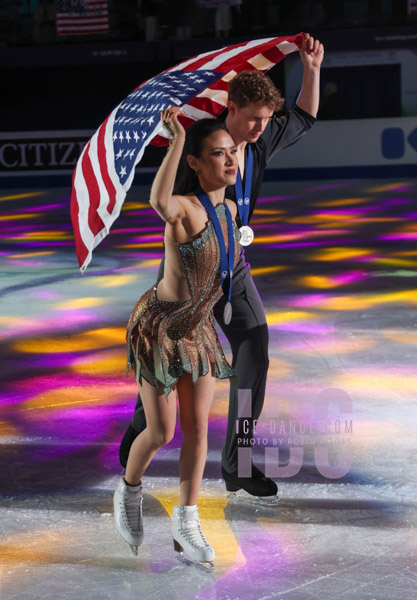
(186, 180)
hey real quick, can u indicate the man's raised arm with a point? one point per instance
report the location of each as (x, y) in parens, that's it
(311, 53)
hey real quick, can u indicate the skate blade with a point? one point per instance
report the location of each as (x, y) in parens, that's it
(134, 549)
(242, 496)
(195, 563)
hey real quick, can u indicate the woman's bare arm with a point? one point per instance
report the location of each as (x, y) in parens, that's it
(169, 207)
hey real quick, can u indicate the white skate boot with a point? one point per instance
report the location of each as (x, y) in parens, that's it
(188, 537)
(127, 501)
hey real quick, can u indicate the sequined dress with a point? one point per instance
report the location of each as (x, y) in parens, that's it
(166, 339)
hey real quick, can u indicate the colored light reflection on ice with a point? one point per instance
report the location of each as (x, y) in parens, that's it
(399, 236)
(341, 253)
(46, 207)
(267, 239)
(77, 303)
(19, 217)
(330, 345)
(389, 187)
(257, 271)
(328, 282)
(395, 382)
(110, 281)
(42, 235)
(43, 244)
(310, 300)
(87, 340)
(141, 245)
(21, 196)
(32, 254)
(21, 326)
(269, 199)
(106, 364)
(340, 202)
(128, 205)
(366, 301)
(55, 392)
(402, 337)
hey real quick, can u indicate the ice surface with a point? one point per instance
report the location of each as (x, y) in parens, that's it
(340, 297)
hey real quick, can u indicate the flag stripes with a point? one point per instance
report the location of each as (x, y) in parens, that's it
(106, 168)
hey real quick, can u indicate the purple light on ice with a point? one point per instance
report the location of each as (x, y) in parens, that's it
(137, 230)
(299, 245)
(144, 211)
(307, 300)
(149, 238)
(304, 327)
(352, 277)
(48, 295)
(399, 236)
(395, 201)
(28, 244)
(40, 207)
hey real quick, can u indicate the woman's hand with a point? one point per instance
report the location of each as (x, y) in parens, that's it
(169, 118)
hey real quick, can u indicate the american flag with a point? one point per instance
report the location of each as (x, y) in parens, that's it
(412, 7)
(106, 167)
(81, 17)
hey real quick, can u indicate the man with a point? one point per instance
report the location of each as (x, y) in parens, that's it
(258, 136)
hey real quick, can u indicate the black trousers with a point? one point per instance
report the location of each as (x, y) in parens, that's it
(248, 337)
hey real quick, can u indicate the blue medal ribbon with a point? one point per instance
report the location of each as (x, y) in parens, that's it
(243, 201)
(227, 259)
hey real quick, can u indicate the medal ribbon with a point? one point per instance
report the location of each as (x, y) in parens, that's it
(227, 259)
(243, 201)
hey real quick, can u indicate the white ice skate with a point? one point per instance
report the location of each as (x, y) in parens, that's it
(189, 538)
(127, 503)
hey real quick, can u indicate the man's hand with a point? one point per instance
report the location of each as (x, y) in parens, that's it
(311, 52)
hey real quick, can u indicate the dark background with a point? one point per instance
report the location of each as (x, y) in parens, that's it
(51, 83)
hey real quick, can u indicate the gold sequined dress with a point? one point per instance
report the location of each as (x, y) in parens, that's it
(166, 339)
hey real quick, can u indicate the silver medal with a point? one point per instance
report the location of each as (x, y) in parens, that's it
(227, 313)
(246, 235)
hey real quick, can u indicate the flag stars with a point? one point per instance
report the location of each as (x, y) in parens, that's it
(138, 115)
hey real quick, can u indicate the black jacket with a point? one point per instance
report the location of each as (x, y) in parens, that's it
(280, 133)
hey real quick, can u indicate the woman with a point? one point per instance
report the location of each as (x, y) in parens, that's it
(172, 342)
